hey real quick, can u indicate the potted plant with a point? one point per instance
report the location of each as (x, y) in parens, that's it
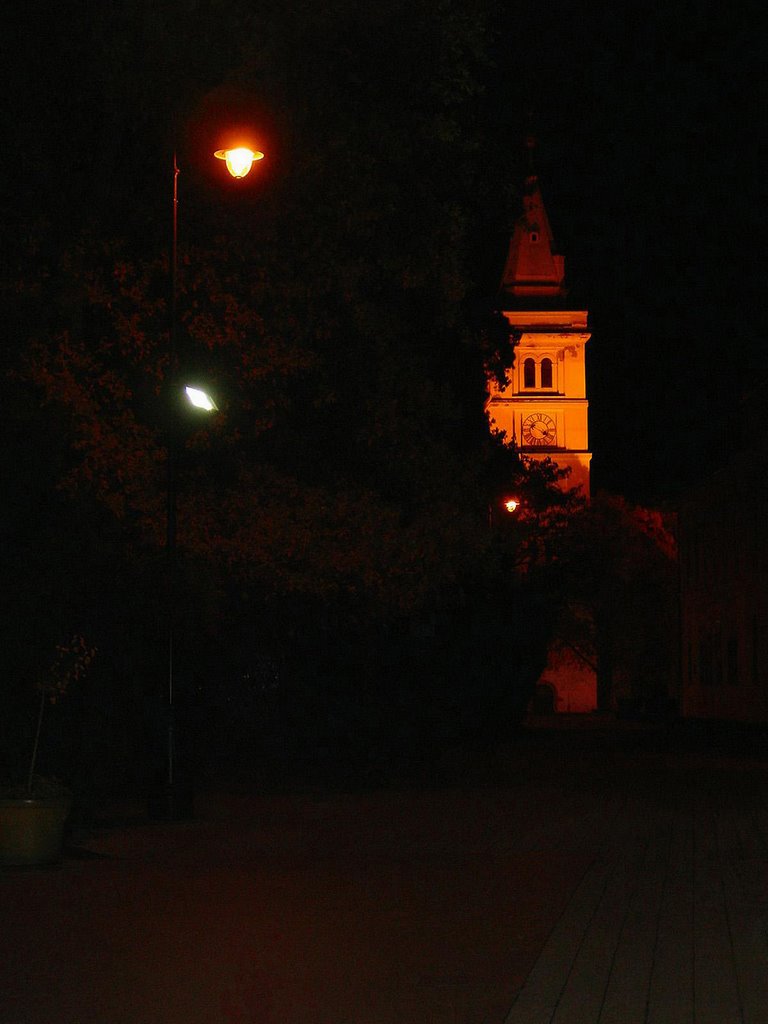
(34, 811)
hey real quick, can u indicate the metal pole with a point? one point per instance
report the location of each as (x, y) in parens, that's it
(170, 537)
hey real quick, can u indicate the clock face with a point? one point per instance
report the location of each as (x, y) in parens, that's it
(539, 430)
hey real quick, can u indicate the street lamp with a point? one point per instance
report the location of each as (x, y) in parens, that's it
(177, 800)
(200, 399)
(176, 803)
(510, 505)
(239, 160)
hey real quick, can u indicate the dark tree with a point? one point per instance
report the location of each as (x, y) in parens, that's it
(342, 492)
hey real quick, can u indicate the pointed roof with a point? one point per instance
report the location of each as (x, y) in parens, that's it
(533, 269)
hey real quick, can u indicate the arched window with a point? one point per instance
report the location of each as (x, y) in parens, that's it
(546, 373)
(529, 374)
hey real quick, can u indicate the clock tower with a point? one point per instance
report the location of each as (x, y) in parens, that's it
(543, 407)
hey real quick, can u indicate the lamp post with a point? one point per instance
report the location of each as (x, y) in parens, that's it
(176, 800)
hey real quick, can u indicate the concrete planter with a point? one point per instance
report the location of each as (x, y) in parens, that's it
(32, 830)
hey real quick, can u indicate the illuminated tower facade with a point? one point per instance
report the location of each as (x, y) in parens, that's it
(543, 407)
(543, 410)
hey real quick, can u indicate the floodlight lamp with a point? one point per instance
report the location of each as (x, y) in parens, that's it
(200, 399)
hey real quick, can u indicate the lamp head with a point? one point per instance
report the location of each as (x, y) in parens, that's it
(239, 160)
(200, 399)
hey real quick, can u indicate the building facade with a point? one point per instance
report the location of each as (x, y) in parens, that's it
(723, 541)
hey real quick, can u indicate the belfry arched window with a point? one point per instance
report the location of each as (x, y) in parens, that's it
(546, 373)
(529, 374)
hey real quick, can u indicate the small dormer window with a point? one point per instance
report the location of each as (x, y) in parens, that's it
(534, 236)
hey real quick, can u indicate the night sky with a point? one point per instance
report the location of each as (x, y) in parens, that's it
(651, 135)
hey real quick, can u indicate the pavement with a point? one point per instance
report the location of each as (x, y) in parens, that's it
(591, 872)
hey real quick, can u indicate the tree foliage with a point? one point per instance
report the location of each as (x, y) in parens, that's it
(623, 571)
(329, 311)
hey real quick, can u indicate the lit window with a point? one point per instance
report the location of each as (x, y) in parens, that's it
(529, 374)
(546, 373)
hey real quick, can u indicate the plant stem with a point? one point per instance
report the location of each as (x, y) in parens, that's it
(33, 760)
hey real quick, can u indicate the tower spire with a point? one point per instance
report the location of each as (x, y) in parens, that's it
(533, 268)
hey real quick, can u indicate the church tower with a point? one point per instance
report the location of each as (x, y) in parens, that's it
(543, 410)
(543, 407)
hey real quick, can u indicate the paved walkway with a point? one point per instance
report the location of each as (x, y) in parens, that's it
(586, 877)
(670, 923)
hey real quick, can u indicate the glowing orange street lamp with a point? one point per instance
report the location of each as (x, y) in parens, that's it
(509, 505)
(239, 160)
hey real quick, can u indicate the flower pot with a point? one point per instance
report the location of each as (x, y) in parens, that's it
(32, 830)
